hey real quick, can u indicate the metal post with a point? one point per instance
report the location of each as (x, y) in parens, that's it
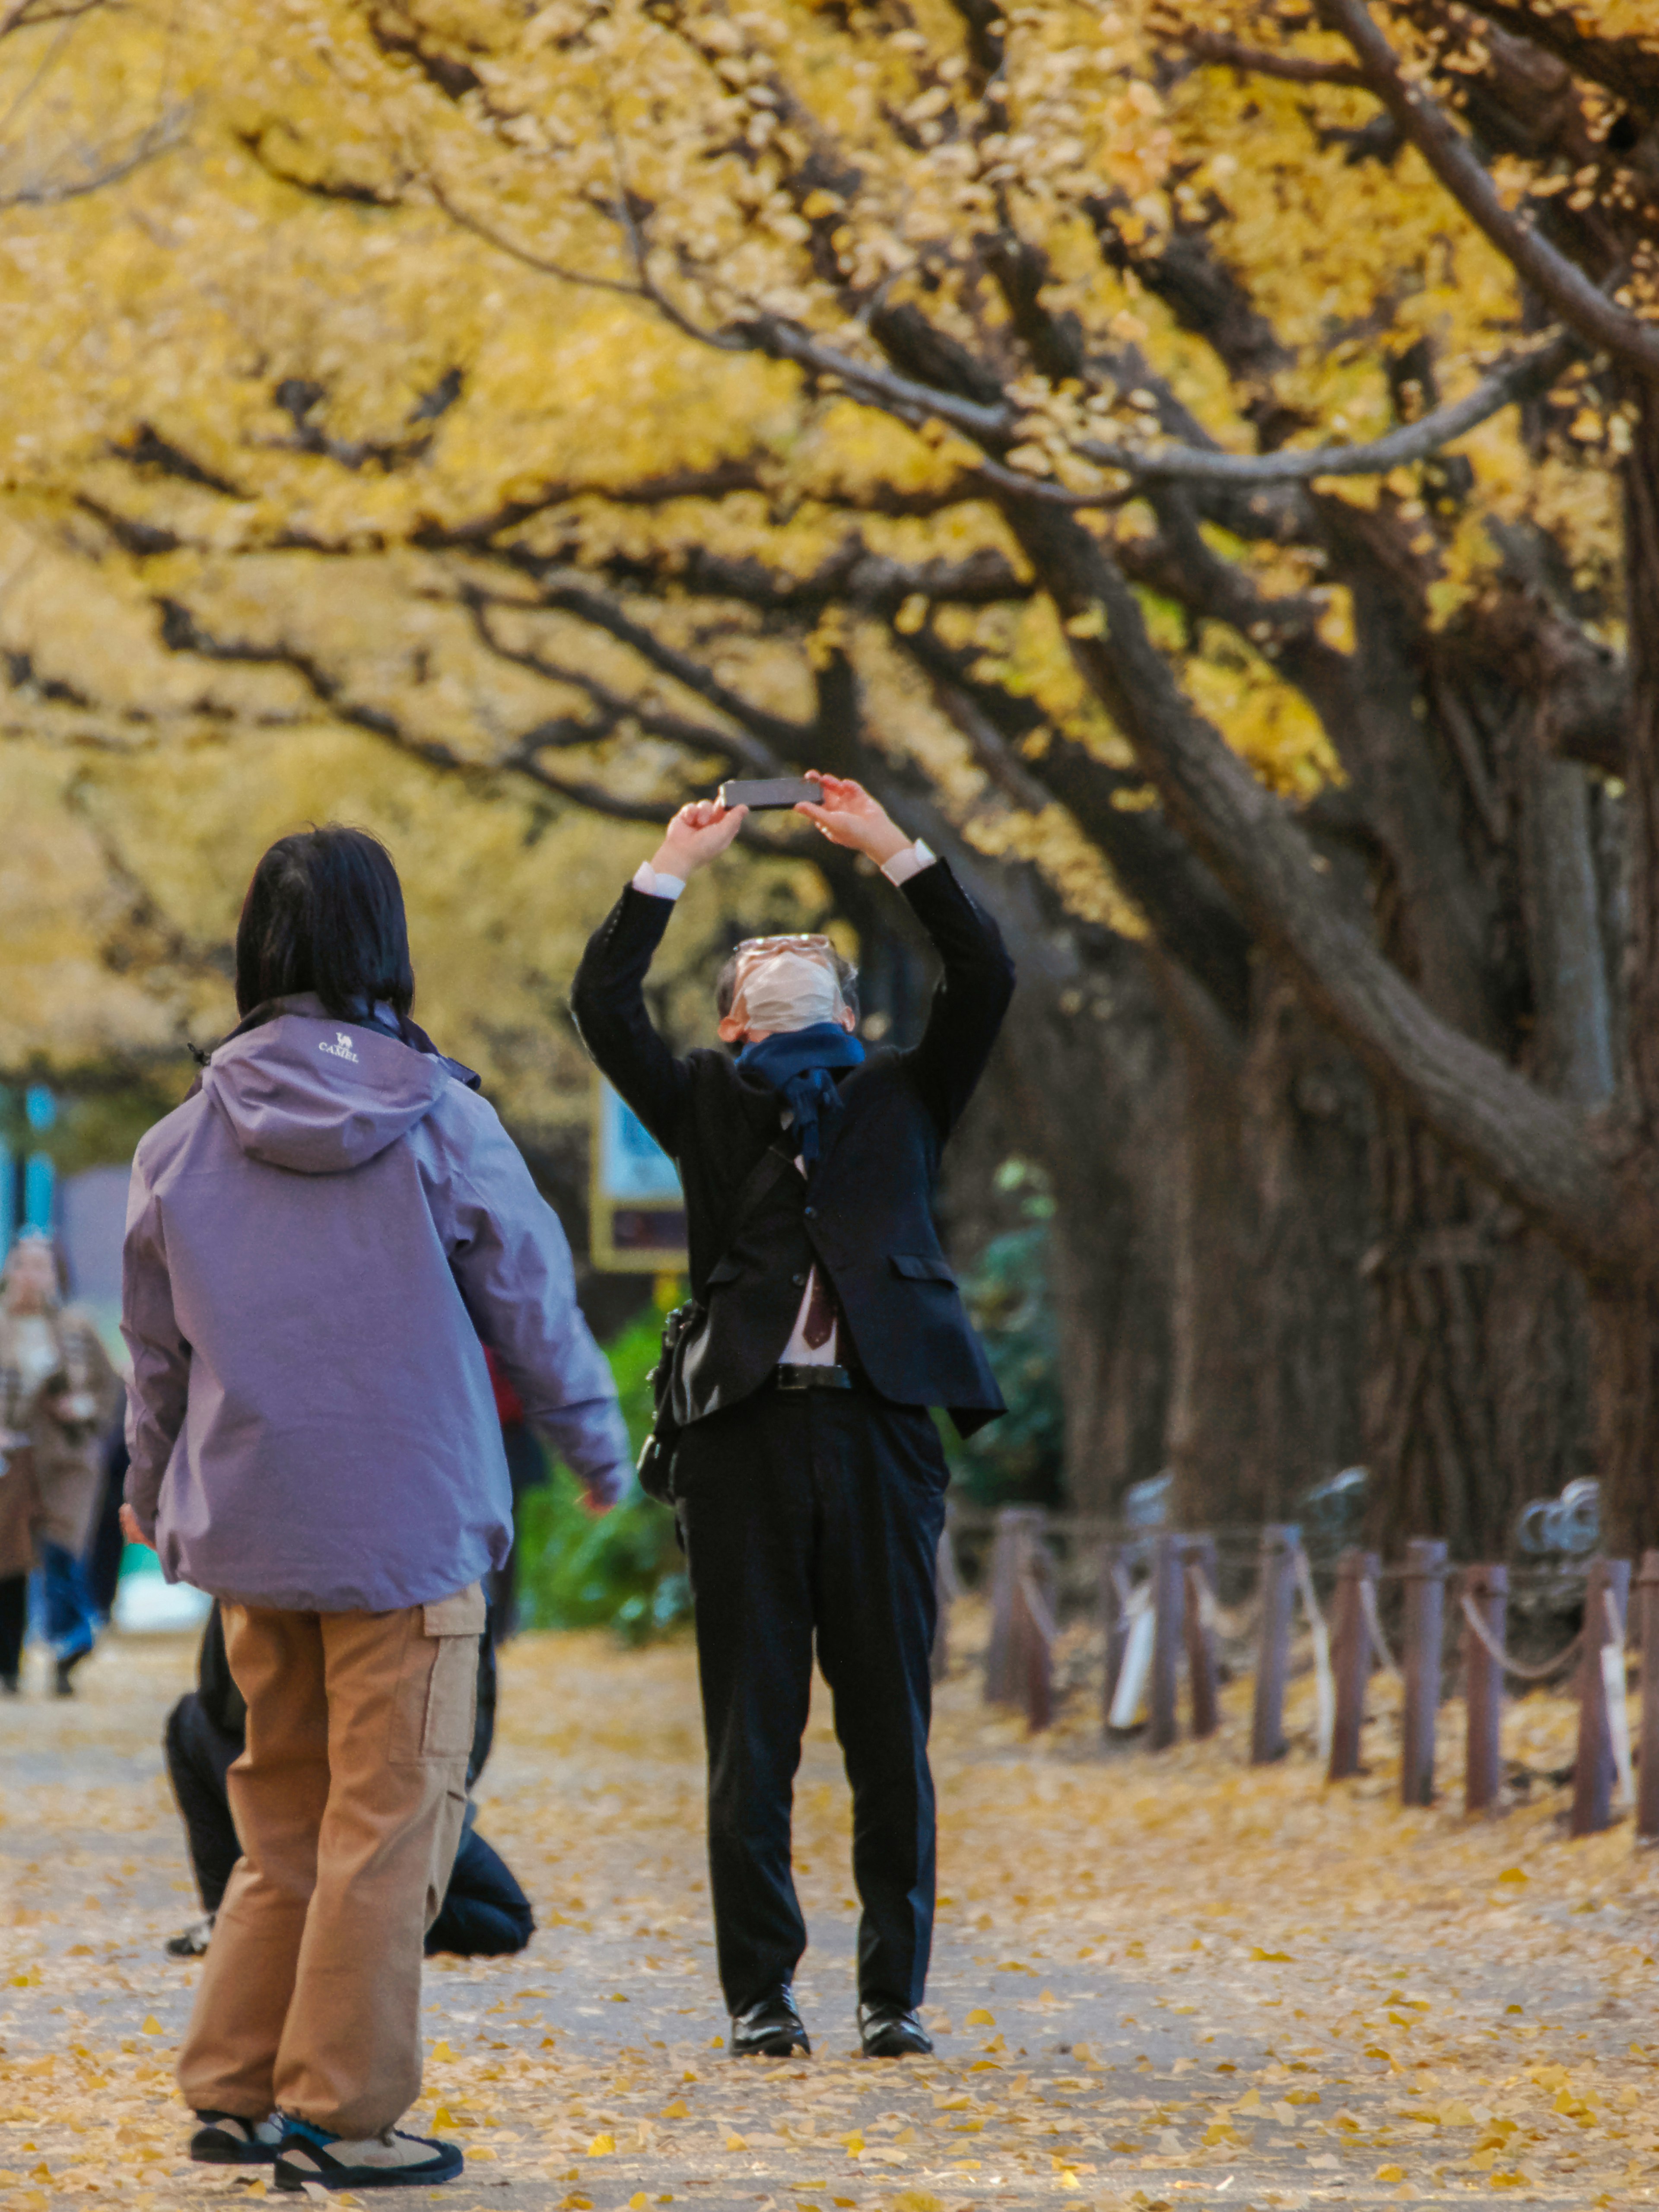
(1351, 1658)
(1647, 1800)
(1279, 1540)
(1592, 1772)
(1203, 1670)
(1013, 1525)
(1425, 1594)
(1167, 1594)
(1114, 1615)
(1486, 1588)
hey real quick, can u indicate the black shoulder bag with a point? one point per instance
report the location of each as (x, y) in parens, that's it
(656, 1460)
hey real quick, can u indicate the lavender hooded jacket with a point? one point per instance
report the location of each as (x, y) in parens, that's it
(316, 1241)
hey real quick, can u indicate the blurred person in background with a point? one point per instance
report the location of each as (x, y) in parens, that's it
(485, 1913)
(58, 1393)
(316, 1240)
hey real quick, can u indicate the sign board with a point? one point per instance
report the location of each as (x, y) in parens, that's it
(636, 1212)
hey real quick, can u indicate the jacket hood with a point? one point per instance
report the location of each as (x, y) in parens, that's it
(320, 1096)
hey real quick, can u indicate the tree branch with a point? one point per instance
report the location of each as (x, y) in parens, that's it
(1561, 283)
(569, 732)
(1155, 866)
(1623, 67)
(1521, 376)
(159, 139)
(1234, 53)
(770, 730)
(1531, 1147)
(181, 633)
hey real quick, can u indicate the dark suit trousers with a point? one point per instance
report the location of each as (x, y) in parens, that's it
(815, 1514)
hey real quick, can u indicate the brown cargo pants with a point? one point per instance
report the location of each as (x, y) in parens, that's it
(347, 1802)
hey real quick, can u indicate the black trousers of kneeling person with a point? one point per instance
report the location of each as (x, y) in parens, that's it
(808, 1516)
(200, 1756)
(484, 1914)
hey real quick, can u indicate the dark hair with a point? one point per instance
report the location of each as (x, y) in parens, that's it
(726, 983)
(324, 912)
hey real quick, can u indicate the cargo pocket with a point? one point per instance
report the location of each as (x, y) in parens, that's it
(438, 1694)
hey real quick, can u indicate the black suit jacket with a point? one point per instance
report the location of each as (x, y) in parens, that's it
(865, 1214)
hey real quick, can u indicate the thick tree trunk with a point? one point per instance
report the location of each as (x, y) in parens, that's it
(1477, 1398)
(1270, 1314)
(1082, 1084)
(1478, 1394)
(1625, 1310)
(1308, 1118)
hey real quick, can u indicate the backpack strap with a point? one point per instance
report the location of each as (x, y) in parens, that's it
(656, 1460)
(755, 1186)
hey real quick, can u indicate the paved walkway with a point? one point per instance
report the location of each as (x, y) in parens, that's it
(1159, 1983)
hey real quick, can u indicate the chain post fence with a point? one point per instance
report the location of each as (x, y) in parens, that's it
(1081, 1606)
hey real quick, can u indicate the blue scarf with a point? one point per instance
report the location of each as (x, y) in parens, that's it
(796, 1062)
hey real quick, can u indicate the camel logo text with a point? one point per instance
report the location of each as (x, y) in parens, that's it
(341, 1048)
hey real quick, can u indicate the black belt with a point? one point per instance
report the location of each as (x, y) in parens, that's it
(791, 1375)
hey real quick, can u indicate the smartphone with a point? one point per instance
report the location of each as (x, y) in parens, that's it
(770, 791)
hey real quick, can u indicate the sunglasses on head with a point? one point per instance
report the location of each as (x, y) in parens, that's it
(802, 943)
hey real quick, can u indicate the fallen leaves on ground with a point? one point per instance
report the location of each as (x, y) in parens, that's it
(1180, 1982)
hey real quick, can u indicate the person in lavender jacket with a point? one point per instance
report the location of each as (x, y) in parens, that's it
(320, 1241)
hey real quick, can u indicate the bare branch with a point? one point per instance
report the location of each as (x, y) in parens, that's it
(29, 14)
(1580, 304)
(765, 730)
(160, 138)
(593, 282)
(1519, 376)
(614, 708)
(1234, 53)
(182, 633)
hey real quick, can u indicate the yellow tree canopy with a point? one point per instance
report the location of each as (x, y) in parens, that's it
(495, 383)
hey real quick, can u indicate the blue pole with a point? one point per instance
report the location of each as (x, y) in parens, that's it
(39, 1190)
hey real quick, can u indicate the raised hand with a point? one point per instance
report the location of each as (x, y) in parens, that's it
(699, 832)
(849, 816)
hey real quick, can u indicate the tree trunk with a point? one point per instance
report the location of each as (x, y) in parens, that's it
(1477, 1399)
(1308, 1119)
(1082, 1084)
(1625, 1305)
(1270, 1317)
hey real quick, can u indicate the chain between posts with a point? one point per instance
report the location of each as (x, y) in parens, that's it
(1522, 1670)
(1177, 1607)
(1324, 1679)
(1385, 1658)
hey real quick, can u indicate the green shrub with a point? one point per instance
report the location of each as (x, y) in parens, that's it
(623, 1572)
(1019, 1459)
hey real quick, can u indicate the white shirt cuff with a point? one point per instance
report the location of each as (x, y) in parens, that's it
(910, 862)
(646, 879)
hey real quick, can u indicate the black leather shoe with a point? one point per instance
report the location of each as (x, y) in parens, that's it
(771, 2029)
(888, 2031)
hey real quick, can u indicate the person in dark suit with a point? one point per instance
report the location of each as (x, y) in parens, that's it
(808, 1475)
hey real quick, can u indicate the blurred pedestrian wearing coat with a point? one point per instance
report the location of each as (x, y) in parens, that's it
(58, 1393)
